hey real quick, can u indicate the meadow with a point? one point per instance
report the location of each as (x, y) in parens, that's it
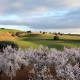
(34, 40)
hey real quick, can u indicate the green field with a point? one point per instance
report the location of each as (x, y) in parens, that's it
(8, 30)
(34, 40)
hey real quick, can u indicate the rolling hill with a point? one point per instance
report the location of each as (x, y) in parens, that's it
(35, 39)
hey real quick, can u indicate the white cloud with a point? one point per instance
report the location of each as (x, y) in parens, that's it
(41, 14)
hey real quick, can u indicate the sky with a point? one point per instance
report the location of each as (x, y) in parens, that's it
(41, 15)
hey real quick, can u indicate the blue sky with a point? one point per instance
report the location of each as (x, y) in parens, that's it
(46, 15)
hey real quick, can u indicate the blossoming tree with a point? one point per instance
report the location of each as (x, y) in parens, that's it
(11, 60)
(66, 62)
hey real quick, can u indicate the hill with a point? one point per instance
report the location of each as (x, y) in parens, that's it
(6, 34)
(34, 39)
(4, 30)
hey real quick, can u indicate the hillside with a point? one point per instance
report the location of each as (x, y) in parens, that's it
(6, 34)
(4, 30)
(34, 39)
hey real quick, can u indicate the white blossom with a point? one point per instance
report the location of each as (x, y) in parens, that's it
(66, 62)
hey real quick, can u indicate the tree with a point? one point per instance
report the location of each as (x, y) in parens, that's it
(2, 28)
(59, 33)
(18, 34)
(28, 31)
(10, 61)
(44, 32)
(40, 31)
(41, 64)
(4, 44)
(66, 62)
(56, 37)
(56, 33)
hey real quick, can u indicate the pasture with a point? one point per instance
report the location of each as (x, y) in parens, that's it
(35, 39)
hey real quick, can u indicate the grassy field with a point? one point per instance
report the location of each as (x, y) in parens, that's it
(47, 40)
(8, 30)
(34, 40)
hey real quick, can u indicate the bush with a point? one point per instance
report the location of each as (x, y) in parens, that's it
(44, 32)
(28, 31)
(56, 37)
(2, 28)
(4, 44)
(40, 31)
(56, 33)
(18, 34)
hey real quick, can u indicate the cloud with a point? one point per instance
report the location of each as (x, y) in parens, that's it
(41, 14)
(31, 6)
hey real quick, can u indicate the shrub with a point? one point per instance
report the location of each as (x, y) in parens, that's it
(40, 31)
(56, 37)
(11, 61)
(44, 32)
(59, 33)
(4, 44)
(56, 33)
(2, 28)
(18, 34)
(28, 31)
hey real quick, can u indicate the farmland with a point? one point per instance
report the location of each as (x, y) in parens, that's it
(35, 39)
